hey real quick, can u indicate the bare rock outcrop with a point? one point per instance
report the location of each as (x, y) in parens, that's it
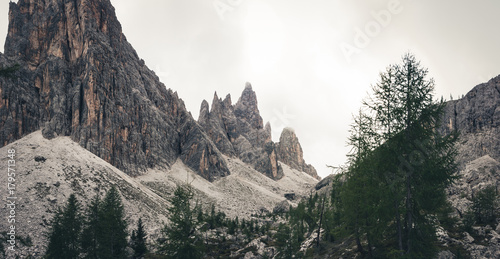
(238, 131)
(80, 77)
(290, 152)
(477, 117)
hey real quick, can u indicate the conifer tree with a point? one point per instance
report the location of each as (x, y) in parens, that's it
(286, 241)
(484, 205)
(182, 237)
(138, 241)
(400, 166)
(113, 226)
(91, 232)
(9, 71)
(64, 237)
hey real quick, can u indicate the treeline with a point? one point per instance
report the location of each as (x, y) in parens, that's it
(391, 194)
(98, 231)
(194, 233)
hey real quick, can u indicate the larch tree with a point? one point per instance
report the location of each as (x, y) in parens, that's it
(400, 166)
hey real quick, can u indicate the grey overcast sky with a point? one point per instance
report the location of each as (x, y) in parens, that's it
(310, 62)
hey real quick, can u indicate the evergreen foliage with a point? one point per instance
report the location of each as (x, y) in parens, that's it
(287, 242)
(485, 205)
(91, 234)
(64, 236)
(9, 71)
(182, 237)
(101, 233)
(138, 241)
(399, 166)
(113, 227)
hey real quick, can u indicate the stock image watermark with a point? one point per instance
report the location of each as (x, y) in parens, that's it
(281, 119)
(11, 199)
(364, 35)
(223, 7)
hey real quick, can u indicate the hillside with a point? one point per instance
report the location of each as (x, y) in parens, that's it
(48, 171)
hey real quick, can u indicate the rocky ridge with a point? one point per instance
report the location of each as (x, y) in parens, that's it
(79, 77)
(476, 118)
(290, 152)
(238, 131)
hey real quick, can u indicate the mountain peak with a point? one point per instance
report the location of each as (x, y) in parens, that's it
(290, 152)
(247, 108)
(80, 77)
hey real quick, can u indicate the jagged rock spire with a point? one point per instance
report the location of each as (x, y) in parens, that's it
(247, 107)
(290, 153)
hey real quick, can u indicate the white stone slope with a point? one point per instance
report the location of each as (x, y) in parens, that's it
(63, 168)
(477, 174)
(49, 171)
(241, 194)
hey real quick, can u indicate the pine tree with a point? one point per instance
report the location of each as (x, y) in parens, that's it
(182, 237)
(9, 71)
(138, 241)
(113, 226)
(64, 237)
(91, 232)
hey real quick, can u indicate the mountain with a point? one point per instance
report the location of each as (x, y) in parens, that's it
(84, 113)
(477, 117)
(50, 170)
(79, 77)
(238, 131)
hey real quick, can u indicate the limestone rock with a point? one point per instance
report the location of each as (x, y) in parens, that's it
(290, 152)
(80, 77)
(237, 131)
(477, 117)
(282, 207)
(247, 108)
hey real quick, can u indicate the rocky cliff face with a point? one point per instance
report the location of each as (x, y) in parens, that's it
(238, 131)
(290, 153)
(477, 117)
(80, 77)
